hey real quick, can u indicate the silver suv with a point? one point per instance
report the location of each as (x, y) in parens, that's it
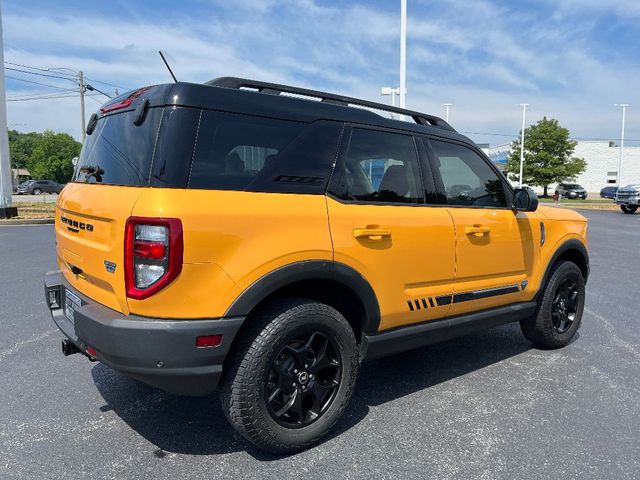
(629, 198)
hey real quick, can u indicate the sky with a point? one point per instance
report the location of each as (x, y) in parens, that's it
(569, 59)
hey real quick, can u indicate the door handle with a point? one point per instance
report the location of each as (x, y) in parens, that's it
(477, 230)
(372, 233)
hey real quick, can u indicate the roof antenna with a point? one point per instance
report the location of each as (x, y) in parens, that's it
(167, 65)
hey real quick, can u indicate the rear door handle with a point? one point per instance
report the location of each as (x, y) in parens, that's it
(372, 233)
(477, 230)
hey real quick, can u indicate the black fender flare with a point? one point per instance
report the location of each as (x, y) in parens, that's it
(572, 244)
(310, 270)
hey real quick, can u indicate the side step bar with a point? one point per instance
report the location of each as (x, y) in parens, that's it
(406, 338)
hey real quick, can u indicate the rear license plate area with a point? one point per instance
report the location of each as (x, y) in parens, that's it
(71, 303)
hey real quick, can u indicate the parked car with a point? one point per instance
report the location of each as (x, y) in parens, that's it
(285, 241)
(608, 192)
(571, 190)
(629, 198)
(36, 187)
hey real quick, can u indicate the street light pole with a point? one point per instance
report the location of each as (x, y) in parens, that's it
(524, 112)
(447, 106)
(393, 92)
(403, 52)
(624, 111)
(6, 210)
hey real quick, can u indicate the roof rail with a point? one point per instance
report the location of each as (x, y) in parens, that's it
(277, 89)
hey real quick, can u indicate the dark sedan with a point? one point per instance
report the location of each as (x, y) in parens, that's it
(37, 187)
(608, 192)
(571, 190)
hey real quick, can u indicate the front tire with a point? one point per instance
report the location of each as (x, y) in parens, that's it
(37, 191)
(629, 209)
(560, 309)
(291, 375)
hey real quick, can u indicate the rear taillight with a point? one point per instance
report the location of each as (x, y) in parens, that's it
(153, 254)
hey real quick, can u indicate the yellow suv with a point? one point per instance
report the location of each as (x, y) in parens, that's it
(265, 240)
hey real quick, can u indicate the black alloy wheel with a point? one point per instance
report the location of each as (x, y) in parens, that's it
(565, 305)
(560, 308)
(303, 380)
(290, 375)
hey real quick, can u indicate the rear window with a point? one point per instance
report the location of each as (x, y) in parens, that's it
(118, 152)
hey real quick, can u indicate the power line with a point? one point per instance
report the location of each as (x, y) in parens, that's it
(27, 99)
(97, 101)
(38, 83)
(107, 83)
(49, 96)
(61, 75)
(40, 74)
(35, 68)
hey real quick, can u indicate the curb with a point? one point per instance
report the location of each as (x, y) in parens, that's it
(27, 221)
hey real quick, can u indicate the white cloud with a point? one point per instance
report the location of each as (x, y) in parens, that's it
(484, 58)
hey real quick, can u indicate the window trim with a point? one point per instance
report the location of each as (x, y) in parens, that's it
(509, 192)
(343, 148)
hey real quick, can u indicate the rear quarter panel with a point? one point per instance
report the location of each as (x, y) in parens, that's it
(231, 239)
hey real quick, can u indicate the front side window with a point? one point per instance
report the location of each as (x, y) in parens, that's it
(467, 178)
(379, 167)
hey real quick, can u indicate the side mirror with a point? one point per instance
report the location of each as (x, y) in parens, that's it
(524, 200)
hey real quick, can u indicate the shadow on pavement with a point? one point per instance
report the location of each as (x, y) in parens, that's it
(197, 426)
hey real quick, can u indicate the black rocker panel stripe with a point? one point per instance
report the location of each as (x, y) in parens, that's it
(489, 292)
(476, 294)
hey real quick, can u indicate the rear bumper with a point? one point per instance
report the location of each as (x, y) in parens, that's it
(159, 352)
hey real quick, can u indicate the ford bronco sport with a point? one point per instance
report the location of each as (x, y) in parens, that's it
(264, 240)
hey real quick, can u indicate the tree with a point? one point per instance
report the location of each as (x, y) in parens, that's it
(51, 156)
(548, 156)
(21, 147)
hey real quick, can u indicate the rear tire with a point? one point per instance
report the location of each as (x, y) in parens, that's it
(560, 308)
(291, 375)
(629, 209)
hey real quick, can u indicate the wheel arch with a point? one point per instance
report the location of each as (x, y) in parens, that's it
(572, 250)
(333, 283)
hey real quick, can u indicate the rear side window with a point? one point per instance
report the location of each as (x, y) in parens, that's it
(118, 152)
(242, 152)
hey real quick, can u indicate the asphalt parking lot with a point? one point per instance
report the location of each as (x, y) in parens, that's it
(482, 406)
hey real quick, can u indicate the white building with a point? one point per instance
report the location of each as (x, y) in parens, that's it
(602, 163)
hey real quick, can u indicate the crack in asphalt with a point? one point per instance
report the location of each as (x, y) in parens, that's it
(615, 338)
(18, 345)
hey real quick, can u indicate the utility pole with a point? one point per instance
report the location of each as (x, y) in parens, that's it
(403, 52)
(6, 189)
(81, 84)
(524, 111)
(624, 111)
(447, 106)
